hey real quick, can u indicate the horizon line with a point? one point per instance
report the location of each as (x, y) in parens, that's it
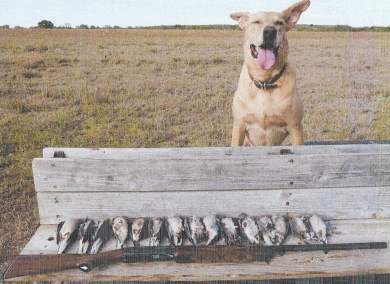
(84, 26)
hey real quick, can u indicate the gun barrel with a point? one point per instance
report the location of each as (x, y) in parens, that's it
(329, 247)
(148, 254)
(258, 252)
(210, 254)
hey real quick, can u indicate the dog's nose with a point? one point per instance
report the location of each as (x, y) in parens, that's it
(269, 33)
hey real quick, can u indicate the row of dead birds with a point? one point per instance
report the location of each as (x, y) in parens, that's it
(211, 229)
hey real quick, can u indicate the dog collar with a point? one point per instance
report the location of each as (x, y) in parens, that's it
(268, 84)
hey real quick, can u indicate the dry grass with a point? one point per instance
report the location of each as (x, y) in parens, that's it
(148, 88)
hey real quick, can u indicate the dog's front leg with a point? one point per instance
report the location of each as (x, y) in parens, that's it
(296, 133)
(238, 134)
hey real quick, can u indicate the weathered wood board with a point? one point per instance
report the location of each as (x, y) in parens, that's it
(274, 172)
(213, 152)
(329, 203)
(343, 231)
(290, 265)
(347, 185)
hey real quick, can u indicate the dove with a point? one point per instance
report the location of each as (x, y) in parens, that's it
(265, 226)
(298, 227)
(319, 228)
(194, 229)
(155, 231)
(280, 229)
(139, 230)
(175, 230)
(212, 228)
(249, 227)
(85, 233)
(102, 234)
(230, 228)
(67, 232)
(120, 228)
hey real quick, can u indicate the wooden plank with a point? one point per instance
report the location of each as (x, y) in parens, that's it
(330, 203)
(101, 183)
(272, 172)
(213, 152)
(343, 231)
(353, 142)
(290, 265)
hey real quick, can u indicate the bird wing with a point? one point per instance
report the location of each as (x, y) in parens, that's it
(58, 235)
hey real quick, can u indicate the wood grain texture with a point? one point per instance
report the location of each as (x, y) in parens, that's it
(343, 231)
(213, 152)
(307, 266)
(330, 203)
(272, 172)
(290, 265)
(349, 185)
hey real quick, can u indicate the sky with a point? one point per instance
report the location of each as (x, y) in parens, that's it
(135, 13)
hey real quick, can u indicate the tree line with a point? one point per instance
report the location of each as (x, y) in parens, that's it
(45, 24)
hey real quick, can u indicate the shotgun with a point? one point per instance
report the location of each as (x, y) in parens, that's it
(39, 264)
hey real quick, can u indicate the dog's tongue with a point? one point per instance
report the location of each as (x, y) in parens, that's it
(265, 58)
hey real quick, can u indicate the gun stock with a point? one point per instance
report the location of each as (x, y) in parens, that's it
(40, 264)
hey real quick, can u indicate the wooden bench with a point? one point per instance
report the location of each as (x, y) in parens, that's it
(348, 185)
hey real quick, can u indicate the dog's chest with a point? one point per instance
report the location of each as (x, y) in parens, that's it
(264, 111)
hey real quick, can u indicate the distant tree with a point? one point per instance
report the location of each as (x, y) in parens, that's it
(107, 27)
(116, 27)
(68, 26)
(45, 24)
(83, 26)
(4, 27)
(92, 27)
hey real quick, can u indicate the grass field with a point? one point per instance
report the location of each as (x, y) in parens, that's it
(162, 88)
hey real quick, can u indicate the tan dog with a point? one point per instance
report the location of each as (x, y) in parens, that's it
(266, 108)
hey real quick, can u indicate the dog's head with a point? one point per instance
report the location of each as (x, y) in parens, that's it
(266, 45)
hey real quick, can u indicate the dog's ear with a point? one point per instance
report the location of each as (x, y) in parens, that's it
(292, 14)
(241, 17)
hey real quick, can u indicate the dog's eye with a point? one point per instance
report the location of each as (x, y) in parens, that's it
(279, 23)
(257, 22)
